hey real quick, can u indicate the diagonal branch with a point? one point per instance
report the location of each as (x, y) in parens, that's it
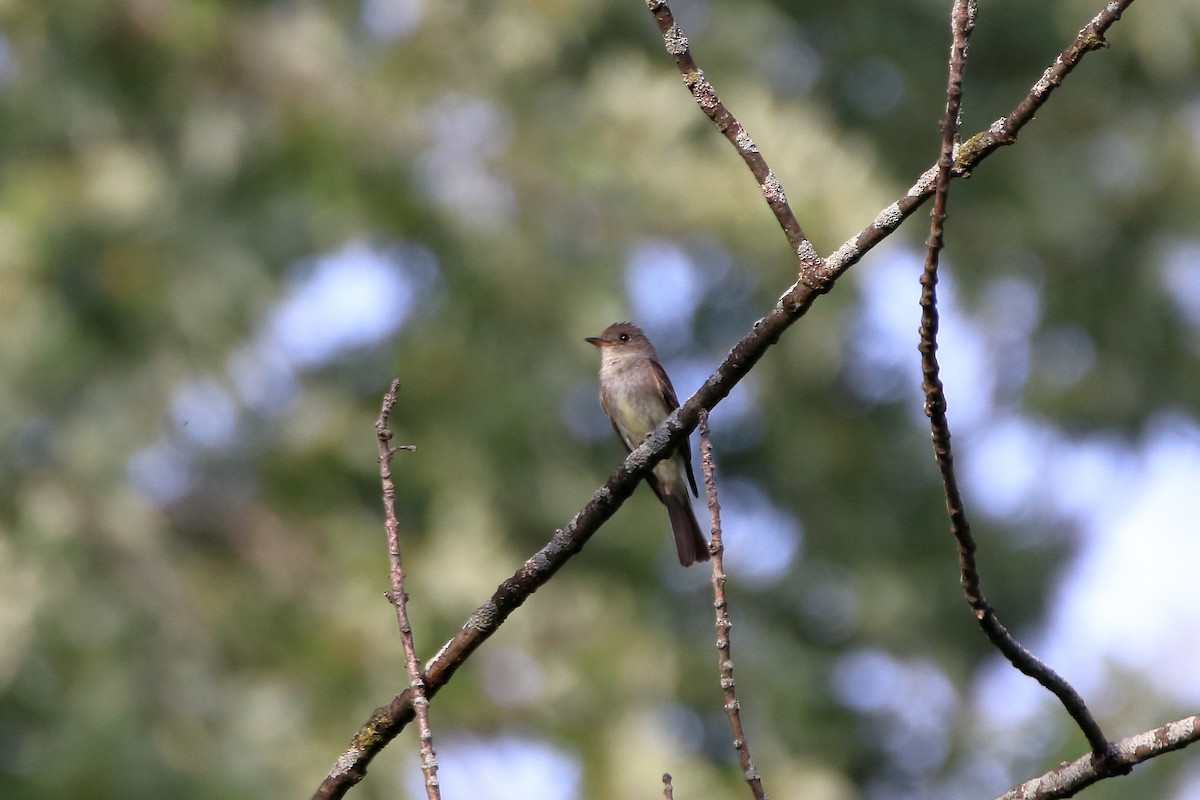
(1003, 131)
(706, 97)
(976, 148)
(816, 278)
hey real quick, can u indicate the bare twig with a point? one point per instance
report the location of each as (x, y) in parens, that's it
(668, 789)
(387, 721)
(724, 658)
(935, 408)
(706, 97)
(1069, 779)
(399, 598)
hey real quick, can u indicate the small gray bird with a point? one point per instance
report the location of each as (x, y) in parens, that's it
(637, 396)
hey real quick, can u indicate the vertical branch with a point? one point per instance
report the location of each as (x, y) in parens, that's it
(668, 789)
(724, 659)
(399, 598)
(963, 19)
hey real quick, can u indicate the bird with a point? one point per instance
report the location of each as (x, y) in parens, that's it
(637, 396)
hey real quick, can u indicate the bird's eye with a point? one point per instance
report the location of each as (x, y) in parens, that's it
(624, 337)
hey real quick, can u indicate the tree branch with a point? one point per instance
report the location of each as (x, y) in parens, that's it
(1003, 131)
(1069, 779)
(733, 708)
(976, 148)
(399, 598)
(706, 97)
(935, 407)
(816, 278)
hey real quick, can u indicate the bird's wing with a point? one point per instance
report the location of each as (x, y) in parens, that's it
(668, 392)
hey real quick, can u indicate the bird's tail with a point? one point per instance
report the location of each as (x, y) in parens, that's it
(689, 541)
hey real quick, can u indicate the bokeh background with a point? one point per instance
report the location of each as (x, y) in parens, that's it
(224, 227)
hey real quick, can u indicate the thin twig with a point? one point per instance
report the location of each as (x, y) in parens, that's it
(935, 407)
(724, 658)
(706, 97)
(1069, 779)
(399, 597)
(387, 721)
(668, 789)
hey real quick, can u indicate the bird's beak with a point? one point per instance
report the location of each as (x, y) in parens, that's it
(596, 340)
